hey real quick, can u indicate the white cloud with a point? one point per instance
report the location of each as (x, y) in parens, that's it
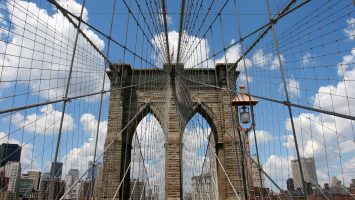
(322, 136)
(262, 136)
(197, 55)
(47, 122)
(279, 169)
(78, 157)
(307, 59)
(266, 60)
(261, 59)
(232, 55)
(293, 88)
(198, 51)
(276, 63)
(335, 97)
(28, 161)
(43, 55)
(350, 30)
(169, 19)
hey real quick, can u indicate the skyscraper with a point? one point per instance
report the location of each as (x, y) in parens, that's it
(35, 176)
(71, 178)
(56, 169)
(309, 172)
(9, 152)
(13, 171)
(92, 172)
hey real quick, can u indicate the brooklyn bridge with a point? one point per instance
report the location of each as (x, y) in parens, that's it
(185, 99)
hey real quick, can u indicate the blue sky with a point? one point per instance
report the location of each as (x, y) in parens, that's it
(317, 53)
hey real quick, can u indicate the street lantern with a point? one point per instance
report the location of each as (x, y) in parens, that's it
(243, 101)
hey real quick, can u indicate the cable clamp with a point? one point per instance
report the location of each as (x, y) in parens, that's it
(66, 99)
(287, 103)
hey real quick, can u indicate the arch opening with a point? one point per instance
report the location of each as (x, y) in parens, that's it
(147, 173)
(198, 160)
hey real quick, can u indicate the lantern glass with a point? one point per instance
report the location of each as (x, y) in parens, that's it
(244, 115)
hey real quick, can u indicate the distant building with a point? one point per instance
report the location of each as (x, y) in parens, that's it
(84, 190)
(13, 171)
(71, 178)
(202, 187)
(51, 187)
(290, 184)
(309, 172)
(9, 152)
(56, 169)
(138, 189)
(336, 184)
(8, 195)
(4, 181)
(98, 180)
(92, 172)
(35, 176)
(25, 187)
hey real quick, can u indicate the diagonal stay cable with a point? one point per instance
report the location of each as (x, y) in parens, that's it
(336, 114)
(140, 27)
(285, 11)
(66, 13)
(71, 98)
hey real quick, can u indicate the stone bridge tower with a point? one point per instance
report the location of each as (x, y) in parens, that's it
(173, 95)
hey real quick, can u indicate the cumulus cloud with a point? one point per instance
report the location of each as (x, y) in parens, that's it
(350, 30)
(47, 122)
(266, 60)
(78, 157)
(197, 55)
(279, 169)
(41, 53)
(293, 88)
(323, 136)
(262, 136)
(307, 59)
(198, 51)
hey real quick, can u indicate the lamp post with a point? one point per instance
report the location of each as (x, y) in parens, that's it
(243, 103)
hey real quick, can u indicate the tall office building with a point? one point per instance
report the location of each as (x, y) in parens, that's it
(71, 178)
(309, 172)
(35, 176)
(9, 152)
(25, 187)
(92, 172)
(13, 171)
(84, 190)
(56, 169)
(98, 180)
(51, 187)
